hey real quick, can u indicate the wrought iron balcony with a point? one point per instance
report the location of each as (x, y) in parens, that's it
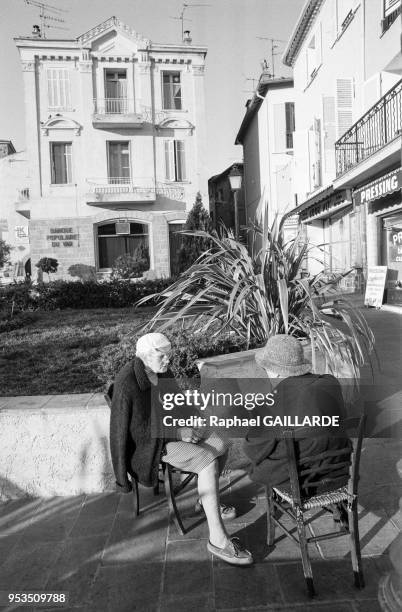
(106, 190)
(380, 125)
(116, 112)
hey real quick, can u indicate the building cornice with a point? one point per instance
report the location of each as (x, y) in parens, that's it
(303, 26)
(184, 48)
(264, 85)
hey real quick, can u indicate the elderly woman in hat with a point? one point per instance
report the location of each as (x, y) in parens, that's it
(298, 393)
(134, 450)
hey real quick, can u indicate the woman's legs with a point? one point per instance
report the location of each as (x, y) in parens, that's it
(208, 491)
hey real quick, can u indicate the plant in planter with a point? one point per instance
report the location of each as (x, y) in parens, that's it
(131, 266)
(48, 265)
(256, 296)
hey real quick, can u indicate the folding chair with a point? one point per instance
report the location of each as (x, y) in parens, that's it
(298, 500)
(167, 471)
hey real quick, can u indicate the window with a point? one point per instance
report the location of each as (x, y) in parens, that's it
(391, 10)
(60, 156)
(112, 243)
(118, 162)
(171, 94)
(175, 160)
(115, 91)
(290, 123)
(58, 87)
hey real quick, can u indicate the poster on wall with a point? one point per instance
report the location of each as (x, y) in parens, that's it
(375, 286)
(395, 245)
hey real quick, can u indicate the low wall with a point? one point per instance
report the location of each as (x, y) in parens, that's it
(54, 445)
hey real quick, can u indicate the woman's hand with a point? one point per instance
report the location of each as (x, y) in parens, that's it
(188, 434)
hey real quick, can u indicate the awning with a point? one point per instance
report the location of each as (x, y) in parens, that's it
(379, 188)
(322, 204)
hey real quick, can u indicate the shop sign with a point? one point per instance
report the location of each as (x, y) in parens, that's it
(395, 245)
(332, 202)
(21, 233)
(379, 188)
(62, 236)
(376, 276)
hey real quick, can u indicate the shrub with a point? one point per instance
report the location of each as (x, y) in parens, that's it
(21, 319)
(193, 246)
(5, 250)
(82, 271)
(75, 294)
(186, 346)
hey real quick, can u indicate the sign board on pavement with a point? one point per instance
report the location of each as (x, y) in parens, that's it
(376, 277)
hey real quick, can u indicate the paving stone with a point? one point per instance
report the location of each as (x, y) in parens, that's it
(54, 521)
(126, 588)
(29, 564)
(333, 581)
(188, 568)
(368, 605)
(137, 538)
(246, 586)
(199, 603)
(96, 515)
(76, 567)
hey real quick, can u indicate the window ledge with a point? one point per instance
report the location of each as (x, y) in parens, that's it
(349, 18)
(312, 77)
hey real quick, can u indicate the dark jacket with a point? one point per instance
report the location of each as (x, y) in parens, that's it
(306, 395)
(134, 450)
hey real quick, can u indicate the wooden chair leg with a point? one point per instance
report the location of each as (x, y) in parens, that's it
(171, 498)
(353, 521)
(308, 573)
(136, 494)
(270, 515)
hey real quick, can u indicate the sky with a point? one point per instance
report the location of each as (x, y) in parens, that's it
(230, 29)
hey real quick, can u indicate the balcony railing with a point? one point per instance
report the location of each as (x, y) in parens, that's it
(380, 125)
(119, 185)
(113, 106)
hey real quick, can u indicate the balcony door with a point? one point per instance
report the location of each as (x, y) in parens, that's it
(115, 91)
(118, 160)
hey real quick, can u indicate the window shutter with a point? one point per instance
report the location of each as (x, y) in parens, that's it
(180, 161)
(58, 87)
(328, 114)
(169, 160)
(390, 6)
(301, 164)
(279, 127)
(344, 105)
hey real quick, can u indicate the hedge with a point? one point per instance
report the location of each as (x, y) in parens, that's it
(187, 347)
(60, 294)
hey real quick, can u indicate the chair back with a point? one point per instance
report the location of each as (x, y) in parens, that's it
(109, 395)
(323, 471)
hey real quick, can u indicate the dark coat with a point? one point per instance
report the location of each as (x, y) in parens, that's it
(134, 450)
(306, 395)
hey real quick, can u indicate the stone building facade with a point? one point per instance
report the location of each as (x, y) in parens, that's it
(115, 136)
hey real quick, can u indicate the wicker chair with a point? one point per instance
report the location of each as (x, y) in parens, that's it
(340, 501)
(166, 476)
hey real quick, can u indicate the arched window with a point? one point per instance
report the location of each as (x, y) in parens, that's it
(119, 238)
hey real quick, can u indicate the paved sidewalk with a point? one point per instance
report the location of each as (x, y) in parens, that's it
(110, 561)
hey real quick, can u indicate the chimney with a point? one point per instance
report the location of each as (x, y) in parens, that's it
(36, 32)
(187, 38)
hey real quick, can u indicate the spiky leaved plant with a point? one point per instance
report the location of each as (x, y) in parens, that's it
(256, 296)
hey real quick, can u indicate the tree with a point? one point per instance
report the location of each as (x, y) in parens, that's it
(5, 250)
(48, 265)
(192, 247)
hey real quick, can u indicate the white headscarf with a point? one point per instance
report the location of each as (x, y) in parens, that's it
(148, 342)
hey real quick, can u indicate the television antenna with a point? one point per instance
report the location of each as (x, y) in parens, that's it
(181, 18)
(49, 16)
(273, 47)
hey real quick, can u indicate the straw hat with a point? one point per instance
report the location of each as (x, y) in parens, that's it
(284, 355)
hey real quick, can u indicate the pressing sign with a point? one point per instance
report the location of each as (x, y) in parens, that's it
(376, 276)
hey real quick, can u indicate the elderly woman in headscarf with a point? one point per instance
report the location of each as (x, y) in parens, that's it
(135, 451)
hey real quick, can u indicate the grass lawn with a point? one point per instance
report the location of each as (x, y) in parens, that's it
(59, 351)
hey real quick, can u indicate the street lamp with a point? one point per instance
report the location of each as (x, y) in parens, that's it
(235, 179)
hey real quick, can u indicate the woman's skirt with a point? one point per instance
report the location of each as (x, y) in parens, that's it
(191, 457)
